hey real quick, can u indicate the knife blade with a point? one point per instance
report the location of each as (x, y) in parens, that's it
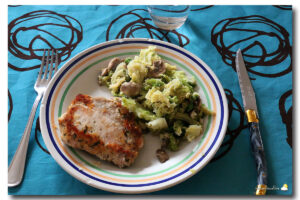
(251, 111)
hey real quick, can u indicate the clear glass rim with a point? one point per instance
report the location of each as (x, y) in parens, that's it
(170, 8)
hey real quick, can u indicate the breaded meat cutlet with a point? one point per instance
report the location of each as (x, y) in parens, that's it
(102, 127)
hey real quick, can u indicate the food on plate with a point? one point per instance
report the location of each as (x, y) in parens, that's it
(163, 98)
(102, 127)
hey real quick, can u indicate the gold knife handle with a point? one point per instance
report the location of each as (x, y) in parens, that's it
(258, 152)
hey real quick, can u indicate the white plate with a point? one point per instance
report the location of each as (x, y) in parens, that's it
(147, 174)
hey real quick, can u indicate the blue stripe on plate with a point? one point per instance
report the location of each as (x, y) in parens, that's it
(131, 42)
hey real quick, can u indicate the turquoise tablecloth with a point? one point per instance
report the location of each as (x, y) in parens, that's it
(213, 33)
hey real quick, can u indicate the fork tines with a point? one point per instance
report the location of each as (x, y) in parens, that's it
(52, 58)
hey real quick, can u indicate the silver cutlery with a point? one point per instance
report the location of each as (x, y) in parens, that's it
(47, 70)
(250, 107)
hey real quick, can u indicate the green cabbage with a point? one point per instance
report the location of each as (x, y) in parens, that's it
(127, 60)
(118, 77)
(187, 81)
(178, 89)
(173, 143)
(178, 127)
(137, 70)
(185, 117)
(165, 103)
(159, 102)
(137, 109)
(206, 111)
(105, 80)
(192, 132)
(148, 56)
(153, 82)
(157, 124)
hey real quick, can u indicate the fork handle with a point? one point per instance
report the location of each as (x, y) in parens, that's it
(17, 165)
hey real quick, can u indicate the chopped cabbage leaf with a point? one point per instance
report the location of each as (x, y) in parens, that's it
(118, 77)
(157, 124)
(148, 56)
(178, 127)
(137, 70)
(159, 102)
(176, 88)
(137, 109)
(192, 132)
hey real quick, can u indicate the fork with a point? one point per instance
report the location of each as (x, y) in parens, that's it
(17, 165)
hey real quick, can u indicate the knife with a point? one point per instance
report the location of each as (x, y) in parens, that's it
(250, 107)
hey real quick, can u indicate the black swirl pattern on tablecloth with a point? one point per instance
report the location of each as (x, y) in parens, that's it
(284, 7)
(138, 26)
(36, 132)
(236, 114)
(48, 33)
(249, 33)
(287, 115)
(11, 105)
(198, 8)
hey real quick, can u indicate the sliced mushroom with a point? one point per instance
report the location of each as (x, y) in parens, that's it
(157, 69)
(112, 65)
(104, 72)
(130, 89)
(162, 155)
